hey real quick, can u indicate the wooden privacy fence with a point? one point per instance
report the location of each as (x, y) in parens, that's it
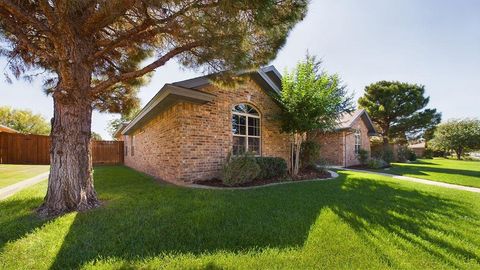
(35, 149)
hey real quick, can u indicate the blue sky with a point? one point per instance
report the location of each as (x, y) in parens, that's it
(434, 43)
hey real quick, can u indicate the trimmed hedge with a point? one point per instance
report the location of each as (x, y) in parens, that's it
(240, 170)
(271, 167)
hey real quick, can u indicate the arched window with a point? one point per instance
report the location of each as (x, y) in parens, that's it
(245, 129)
(358, 141)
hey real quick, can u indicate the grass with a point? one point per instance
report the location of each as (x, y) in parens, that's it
(460, 172)
(357, 221)
(11, 174)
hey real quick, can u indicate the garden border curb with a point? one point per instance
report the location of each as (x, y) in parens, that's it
(333, 174)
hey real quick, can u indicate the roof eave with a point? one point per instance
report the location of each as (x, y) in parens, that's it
(166, 97)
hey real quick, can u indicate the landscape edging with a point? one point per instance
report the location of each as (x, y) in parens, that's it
(332, 174)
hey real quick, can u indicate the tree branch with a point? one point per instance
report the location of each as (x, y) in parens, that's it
(20, 14)
(138, 73)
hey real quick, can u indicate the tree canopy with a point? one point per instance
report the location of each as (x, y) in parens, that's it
(398, 109)
(313, 101)
(459, 135)
(118, 42)
(24, 121)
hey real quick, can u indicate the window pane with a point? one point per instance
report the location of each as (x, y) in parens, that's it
(254, 145)
(239, 124)
(238, 145)
(251, 110)
(253, 126)
(241, 108)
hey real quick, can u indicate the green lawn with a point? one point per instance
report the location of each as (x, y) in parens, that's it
(11, 174)
(358, 221)
(452, 171)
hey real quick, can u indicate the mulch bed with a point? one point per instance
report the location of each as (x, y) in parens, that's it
(303, 175)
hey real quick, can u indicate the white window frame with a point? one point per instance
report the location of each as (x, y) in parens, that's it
(358, 141)
(246, 136)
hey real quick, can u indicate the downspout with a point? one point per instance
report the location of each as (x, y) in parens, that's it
(344, 149)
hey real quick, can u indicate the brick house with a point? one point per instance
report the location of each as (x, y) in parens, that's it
(189, 128)
(340, 148)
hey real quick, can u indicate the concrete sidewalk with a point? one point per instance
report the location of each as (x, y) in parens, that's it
(12, 189)
(419, 180)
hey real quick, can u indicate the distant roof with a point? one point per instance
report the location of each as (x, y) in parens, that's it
(7, 129)
(189, 90)
(347, 120)
(417, 145)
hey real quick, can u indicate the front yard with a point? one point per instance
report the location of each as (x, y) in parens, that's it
(11, 174)
(460, 172)
(357, 221)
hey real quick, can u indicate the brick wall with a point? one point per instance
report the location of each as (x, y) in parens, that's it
(333, 148)
(156, 146)
(191, 142)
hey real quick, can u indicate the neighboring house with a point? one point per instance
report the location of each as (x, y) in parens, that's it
(418, 148)
(7, 129)
(189, 128)
(340, 147)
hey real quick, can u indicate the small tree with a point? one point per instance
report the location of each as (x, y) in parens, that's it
(457, 135)
(24, 121)
(313, 101)
(397, 109)
(115, 124)
(96, 136)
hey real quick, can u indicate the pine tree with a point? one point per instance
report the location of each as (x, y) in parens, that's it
(398, 110)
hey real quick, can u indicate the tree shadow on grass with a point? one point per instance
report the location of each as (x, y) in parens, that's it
(142, 220)
(17, 218)
(425, 170)
(410, 214)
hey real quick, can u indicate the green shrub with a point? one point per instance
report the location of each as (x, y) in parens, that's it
(363, 156)
(271, 167)
(405, 154)
(309, 153)
(411, 155)
(377, 163)
(321, 165)
(428, 153)
(240, 170)
(387, 155)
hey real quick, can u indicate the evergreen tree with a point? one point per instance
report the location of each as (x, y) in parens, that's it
(398, 110)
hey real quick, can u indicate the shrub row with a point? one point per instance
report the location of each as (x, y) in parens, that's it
(247, 168)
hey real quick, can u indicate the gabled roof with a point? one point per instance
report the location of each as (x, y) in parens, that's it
(7, 129)
(120, 129)
(348, 119)
(189, 90)
(267, 77)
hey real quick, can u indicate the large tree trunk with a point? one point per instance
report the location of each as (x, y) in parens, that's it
(70, 185)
